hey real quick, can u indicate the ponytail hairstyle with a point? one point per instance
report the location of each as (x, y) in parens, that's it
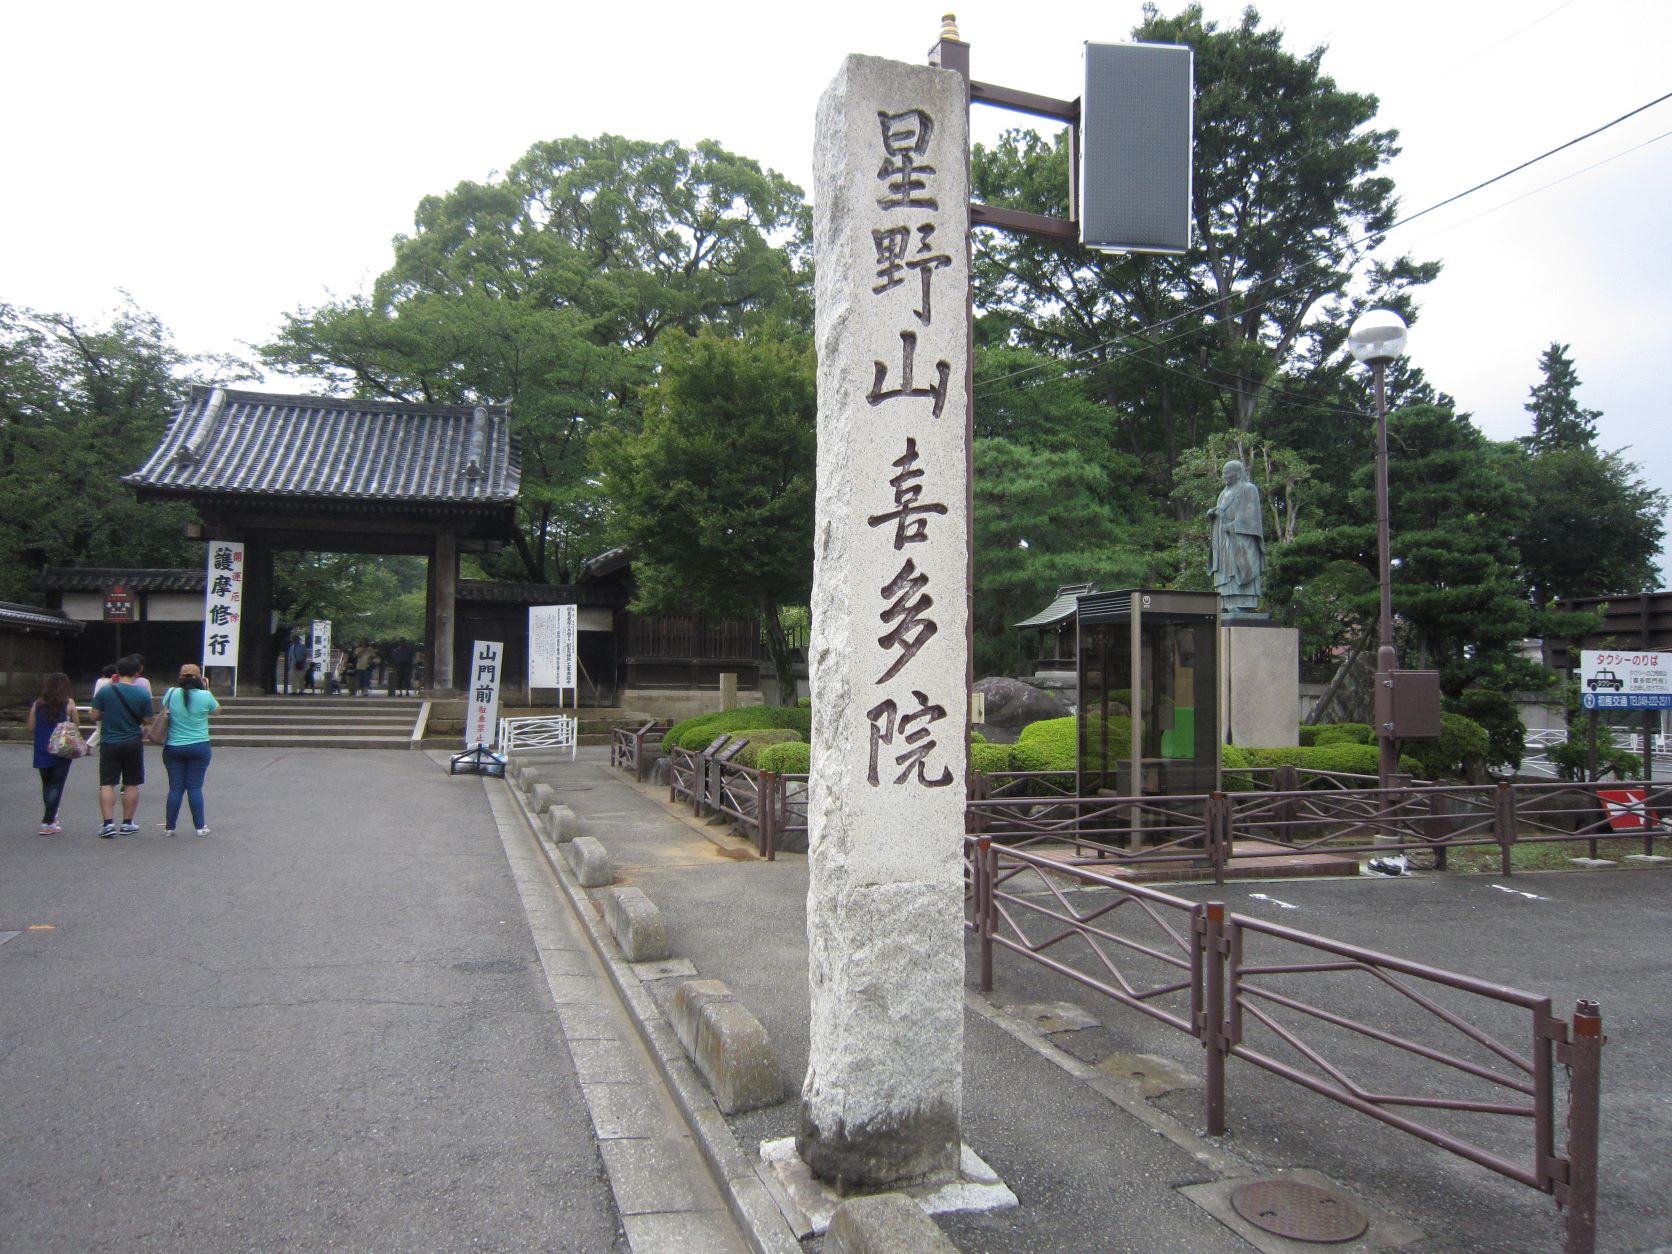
(191, 680)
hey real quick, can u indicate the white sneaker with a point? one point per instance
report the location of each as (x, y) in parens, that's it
(168, 831)
(203, 831)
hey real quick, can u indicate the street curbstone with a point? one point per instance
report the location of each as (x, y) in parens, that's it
(541, 797)
(885, 1223)
(590, 862)
(636, 924)
(728, 1045)
(562, 825)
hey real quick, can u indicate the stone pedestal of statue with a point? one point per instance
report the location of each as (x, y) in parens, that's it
(1259, 678)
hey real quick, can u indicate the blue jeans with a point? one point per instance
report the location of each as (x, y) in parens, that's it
(52, 789)
(186, 766)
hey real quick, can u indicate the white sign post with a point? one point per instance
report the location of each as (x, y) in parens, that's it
(551, 649)
(321, 651)
(223, 606)
(885, 916)
(482, 713)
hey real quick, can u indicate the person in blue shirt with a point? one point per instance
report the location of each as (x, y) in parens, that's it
(186, 755)
(55, 705)
(123, 711)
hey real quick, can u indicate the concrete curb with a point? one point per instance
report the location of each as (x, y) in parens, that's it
(636, 924)
(728, 1045)
(562, 825)
(887, 1223)
(589, 860)
(746, 1195)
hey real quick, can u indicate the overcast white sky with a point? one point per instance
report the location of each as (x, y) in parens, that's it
(224, 163)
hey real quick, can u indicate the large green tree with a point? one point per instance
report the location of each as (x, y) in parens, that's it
(715, 494)
(546, 288)
(1456, 503)
(1594, 526)
(81, 405)
(1289, 197)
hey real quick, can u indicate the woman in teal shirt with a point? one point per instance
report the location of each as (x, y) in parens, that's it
(186, 755)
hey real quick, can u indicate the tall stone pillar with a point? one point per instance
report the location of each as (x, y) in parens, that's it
(889, 655)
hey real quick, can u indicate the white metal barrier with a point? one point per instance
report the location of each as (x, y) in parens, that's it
(555, 731)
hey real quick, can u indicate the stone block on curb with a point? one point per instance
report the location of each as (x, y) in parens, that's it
(589, 861)
(541, 797)
(636, 924)
(886, 1223)
(728, 1046)
(562, 825)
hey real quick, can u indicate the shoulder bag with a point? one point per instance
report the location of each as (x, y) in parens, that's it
(157, 733)
(66, 741)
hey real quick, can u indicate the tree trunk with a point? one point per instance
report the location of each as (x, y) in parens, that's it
(778, 649)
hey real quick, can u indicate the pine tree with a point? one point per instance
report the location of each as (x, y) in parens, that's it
(1558, 420)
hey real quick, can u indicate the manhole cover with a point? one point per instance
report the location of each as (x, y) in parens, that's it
(1302, 1212)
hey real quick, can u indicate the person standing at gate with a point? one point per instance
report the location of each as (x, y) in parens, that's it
(123, 712)
(298, 663)
(186, 755)
(55, 705)
(365, 665)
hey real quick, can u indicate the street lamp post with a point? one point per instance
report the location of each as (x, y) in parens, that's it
(1376, 338)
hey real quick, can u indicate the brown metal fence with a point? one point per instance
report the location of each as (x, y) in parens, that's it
(1291, 812)
(628, 747)
(1446, 1053)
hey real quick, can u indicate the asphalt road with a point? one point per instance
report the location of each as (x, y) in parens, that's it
(324, 1026)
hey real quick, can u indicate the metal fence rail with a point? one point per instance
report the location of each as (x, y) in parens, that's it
(1140, 947)
(1295, 812)
(557, 731)
(627, 746)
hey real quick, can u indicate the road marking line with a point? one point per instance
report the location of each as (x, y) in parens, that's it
(1274, 901)
(1503, 888)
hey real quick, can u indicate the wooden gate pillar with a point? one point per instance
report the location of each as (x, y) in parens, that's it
(443, 611)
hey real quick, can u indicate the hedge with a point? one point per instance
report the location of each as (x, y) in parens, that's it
(792, 757)
(990, 758)
(1052, 744)
(1460, 751)
(1338, 734)
(1349, 759)
(695, 733)
(760, 739)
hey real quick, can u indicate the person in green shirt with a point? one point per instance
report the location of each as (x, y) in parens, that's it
(123, 711)
(186, 755)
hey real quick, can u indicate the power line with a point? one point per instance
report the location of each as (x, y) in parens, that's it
(1336, 254)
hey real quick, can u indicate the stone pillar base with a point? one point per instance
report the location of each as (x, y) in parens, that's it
(808, 1203)
(1259, 678)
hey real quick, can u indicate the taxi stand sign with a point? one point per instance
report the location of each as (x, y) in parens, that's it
(1625, 679)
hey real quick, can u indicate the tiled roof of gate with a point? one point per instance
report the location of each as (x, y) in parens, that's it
(225, 442)
(134, 579)
(34, 618)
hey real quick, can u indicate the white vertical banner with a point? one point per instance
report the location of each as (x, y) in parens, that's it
(482, 712)
(552, 641)
(223, 606)
(320, 650)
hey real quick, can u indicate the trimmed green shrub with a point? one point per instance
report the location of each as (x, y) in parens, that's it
(1052, 744)
(989, 758)
(1349, 759)
(760, 739)
(695, 733)
(1459, 753)
(792, 757)
(1342, 734)
(976, 738)
(1235, 776)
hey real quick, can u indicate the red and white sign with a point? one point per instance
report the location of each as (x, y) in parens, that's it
(118, 605)
(1627, 811)
(481, 723)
